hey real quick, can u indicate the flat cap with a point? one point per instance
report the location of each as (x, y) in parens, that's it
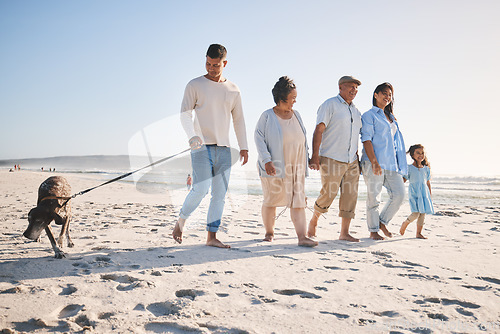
(349, 78)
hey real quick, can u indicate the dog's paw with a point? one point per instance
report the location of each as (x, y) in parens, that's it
(60, 255)
(71, 244)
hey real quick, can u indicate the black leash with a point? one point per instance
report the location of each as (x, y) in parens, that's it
(119, 177)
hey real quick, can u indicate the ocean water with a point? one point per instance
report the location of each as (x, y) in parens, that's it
(450, 190)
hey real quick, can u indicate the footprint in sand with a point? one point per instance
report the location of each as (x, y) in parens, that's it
(189, 293)
(163, 308)
(463, 311)
(338, 315)
(16, 289)
(390, 314)
(382, 254)
(420, 276)
(489, 279)
(267, 300)
(70, 310)
(446, 301)
(105, 315)
(364, 322)
(68, 290)
(293, 292)
(171, 327)
(438, 316)
(27, 326)
(478, 287)
(83, 321)
(127, 282)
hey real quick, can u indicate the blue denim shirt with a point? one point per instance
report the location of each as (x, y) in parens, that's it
(390, 151)
(269, 141)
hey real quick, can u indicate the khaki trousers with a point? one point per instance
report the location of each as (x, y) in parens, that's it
(335, 175)
(415, 215)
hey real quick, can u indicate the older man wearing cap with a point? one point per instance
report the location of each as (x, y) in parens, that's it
(335, 154)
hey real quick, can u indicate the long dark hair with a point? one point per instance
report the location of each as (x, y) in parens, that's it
(389, 109)
(412, 149)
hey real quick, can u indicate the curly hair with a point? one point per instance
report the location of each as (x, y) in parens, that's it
(282, 88)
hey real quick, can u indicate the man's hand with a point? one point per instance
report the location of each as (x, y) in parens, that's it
(244, 156)
(270, 170)
(195, 143)
(314, 162)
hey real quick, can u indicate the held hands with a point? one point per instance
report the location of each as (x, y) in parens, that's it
(270, 170)
(195, 143)
(314, 162)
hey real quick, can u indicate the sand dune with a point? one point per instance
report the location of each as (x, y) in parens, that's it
(125, 274)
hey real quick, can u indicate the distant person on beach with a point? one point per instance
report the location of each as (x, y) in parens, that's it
(383, 161)
(335, 154)
(280, 137)
(215, 101)
(419, 191)
(189, 182)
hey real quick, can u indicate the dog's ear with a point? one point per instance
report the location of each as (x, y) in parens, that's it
(38, 213)
(57, 219)
(31, 214)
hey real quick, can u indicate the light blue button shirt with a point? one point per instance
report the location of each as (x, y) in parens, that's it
(389, 150)
(343, 126)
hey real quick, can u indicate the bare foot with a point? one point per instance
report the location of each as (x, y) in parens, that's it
(385, 230)
(403, 227)
(348, 237)
(420, 236)
(217, 243)
(177, 232)
(311, 231)
(269, 237)
(212, 241)
(376, 236)
(306, 242)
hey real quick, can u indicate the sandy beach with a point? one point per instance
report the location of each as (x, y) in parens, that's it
(127, 275)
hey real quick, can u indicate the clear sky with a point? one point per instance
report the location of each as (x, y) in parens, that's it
(83, 77)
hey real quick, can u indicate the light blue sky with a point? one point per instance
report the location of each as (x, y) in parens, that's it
(82, 77)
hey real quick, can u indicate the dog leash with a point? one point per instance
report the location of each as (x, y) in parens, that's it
(67, 199)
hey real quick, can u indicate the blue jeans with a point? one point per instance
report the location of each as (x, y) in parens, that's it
(394, 184)
(211, 167)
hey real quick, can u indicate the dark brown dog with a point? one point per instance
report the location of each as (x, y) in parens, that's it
(50, 208)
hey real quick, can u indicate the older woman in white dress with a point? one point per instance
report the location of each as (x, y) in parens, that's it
(280, 137)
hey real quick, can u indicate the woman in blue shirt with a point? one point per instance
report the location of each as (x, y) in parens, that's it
(383, 162)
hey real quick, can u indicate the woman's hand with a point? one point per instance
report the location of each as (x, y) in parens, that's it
(270, 170)
(314, 162)
(377, 170)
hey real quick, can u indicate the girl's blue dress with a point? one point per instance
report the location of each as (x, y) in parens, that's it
(418, 192)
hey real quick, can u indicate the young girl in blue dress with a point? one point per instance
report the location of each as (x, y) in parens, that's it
(419, 191)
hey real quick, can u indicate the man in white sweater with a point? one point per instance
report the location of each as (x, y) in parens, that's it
(215, 101)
